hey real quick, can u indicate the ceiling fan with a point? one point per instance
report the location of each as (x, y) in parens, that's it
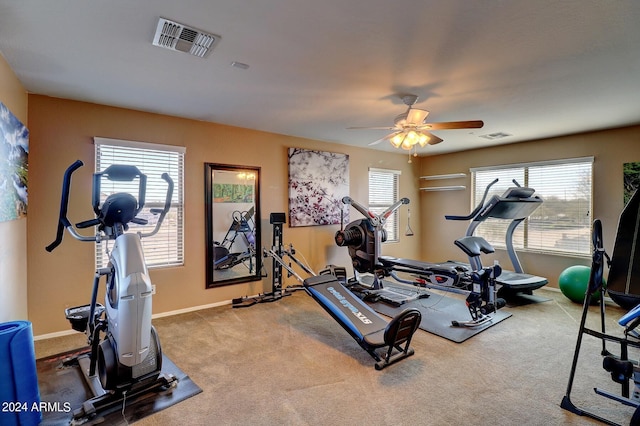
(410, 128)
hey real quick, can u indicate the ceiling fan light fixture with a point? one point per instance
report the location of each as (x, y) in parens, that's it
(408, 139)
(411, 129)
(397, 139)
(406, 144)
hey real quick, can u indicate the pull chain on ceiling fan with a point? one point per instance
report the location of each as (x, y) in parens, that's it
(410, 129)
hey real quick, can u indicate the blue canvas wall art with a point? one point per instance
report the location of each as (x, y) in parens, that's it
(14, 165)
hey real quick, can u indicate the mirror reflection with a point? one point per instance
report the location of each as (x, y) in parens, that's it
(233, 224)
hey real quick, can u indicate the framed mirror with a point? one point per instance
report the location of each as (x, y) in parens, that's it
(232, 202)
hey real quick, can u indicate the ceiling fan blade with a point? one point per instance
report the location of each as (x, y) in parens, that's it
(473, 124)
(373, 128)
(386, 138)
(433, 139)
(416, 116)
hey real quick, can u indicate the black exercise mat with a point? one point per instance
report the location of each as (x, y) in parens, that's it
(522, 299)
(437, 313)
(64, 389)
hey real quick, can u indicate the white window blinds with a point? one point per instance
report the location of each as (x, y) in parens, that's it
(562, 224)
(166, 248)
(383, 193)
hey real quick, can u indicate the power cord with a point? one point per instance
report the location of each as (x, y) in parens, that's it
(124, 404)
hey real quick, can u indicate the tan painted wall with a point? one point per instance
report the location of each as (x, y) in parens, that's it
(13, 249)
(62, 131)
(610, 150)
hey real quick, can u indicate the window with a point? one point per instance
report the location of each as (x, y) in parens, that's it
(562, 223)
(383, 193)
(166, 248)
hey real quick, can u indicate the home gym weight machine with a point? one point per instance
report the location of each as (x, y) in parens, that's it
(387, 342)
(364, 237)
(277, 249)
(622, 269)
(127, 362)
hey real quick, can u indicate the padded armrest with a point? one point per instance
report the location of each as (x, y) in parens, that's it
(474, 246)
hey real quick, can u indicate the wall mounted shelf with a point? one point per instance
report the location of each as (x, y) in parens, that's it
(444, 188)
(449, 176)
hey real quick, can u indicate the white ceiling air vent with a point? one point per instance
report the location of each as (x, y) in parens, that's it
(497, 135)
(174, 36)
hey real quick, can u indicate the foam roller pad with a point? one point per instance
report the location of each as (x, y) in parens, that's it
(19, 392)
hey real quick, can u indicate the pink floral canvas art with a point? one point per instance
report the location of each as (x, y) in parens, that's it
(318, 181)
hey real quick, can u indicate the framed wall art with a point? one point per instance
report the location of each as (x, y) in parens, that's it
(14, 165)
(318, 181)
(631, 172)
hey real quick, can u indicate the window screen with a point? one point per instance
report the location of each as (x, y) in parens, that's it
(562, 224)
(165, 248)
(383, 193)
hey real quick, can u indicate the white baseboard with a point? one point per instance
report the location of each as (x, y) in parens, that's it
(54, 335)
(159, 315)
(191, 309)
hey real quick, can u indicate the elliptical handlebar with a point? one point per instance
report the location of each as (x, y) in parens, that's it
(120, 173)
(63, 221)
(163, 212)
(478, 207)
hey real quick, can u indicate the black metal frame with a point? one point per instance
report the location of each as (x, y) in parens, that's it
(596, 286)
(255, 275)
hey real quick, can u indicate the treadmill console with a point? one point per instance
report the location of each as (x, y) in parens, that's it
(518, 192)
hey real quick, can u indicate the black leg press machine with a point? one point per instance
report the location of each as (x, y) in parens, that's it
(386, 341)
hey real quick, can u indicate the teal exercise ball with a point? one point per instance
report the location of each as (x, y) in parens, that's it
(573, 283)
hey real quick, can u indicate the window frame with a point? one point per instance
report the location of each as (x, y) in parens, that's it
(173, 225)
(525, 230)
(391, 225)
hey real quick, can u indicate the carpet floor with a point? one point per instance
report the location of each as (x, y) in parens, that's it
(289, 363)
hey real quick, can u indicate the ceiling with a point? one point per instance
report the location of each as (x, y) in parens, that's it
(530, 69)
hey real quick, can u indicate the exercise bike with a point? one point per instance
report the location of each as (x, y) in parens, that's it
(128, 360)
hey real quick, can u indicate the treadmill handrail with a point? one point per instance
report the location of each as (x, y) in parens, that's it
(478, 207)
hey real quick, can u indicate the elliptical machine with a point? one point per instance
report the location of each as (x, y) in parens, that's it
(128, 360)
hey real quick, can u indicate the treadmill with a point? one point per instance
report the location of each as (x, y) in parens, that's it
(515, 204)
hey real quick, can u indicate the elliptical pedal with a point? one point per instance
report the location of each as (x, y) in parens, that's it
(79, 316)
